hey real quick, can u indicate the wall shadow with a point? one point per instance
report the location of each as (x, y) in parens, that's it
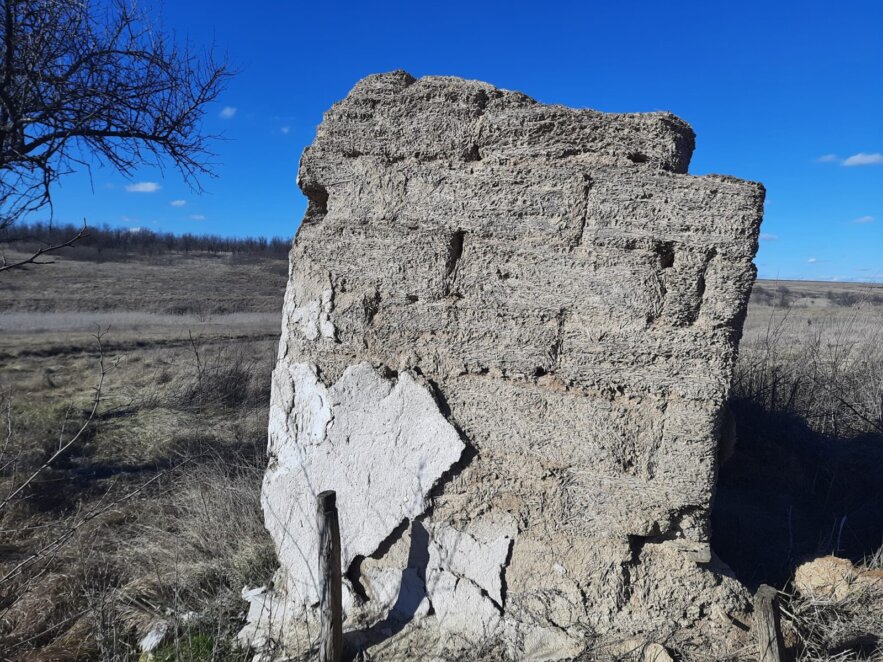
(411, 594)
(789, 494)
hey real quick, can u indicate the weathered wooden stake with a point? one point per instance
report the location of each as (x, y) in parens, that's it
(330, 612)
(766, 624)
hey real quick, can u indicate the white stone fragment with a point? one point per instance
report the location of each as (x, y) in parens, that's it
(156, 633)
(264, 614)
(381, 444)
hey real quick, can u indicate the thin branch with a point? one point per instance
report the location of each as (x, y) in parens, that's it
(77, 83)
(43, 251)
(70, 442)
(88, 517)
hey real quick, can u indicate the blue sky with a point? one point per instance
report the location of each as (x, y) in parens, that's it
(786, 93)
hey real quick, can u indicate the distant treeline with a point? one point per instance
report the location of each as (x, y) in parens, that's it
(782, 297)
(106, 243)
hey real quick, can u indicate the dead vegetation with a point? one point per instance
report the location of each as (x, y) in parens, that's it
(803, 481)
(149, 514)
(157, 500)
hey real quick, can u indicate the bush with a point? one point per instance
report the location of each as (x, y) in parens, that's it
(223, 377)
(829, 373)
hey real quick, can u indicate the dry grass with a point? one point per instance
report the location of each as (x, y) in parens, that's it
(805, 477)
(157, 504)
(835, 630)
(159, 500)
(827, 369)
(179, 285)
(153, 514)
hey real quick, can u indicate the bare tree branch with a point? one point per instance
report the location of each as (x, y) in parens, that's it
(96, 400)
(4, 266)
(82, 80)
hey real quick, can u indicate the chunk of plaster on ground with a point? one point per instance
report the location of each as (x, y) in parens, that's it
(156, 634)
(262, 608)
(381, 444)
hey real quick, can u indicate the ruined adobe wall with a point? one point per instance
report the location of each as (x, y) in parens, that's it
(508, 338)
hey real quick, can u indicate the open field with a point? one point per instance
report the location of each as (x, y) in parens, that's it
(176, 284)
(151, 514)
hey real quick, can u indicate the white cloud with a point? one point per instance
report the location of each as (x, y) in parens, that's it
(178, 203)
(143, 187)
(813, 260)
(285, 129)
(861, 159)
(197, 217)
(827, 158)
(227, 113)
(864, 219)
(766, 236)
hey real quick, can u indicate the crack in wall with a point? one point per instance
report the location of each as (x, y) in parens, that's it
(452, 262)
(584, 216)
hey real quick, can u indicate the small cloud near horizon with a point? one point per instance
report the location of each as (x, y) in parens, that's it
(227, 112)
(864, 219)
(178, 203)
(197, 217)
(766, 236)
(813, 260)
(861, 159)
(143, 187)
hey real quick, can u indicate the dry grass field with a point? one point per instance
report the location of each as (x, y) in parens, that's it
(151, 513)
(804, 480)
(139, 503)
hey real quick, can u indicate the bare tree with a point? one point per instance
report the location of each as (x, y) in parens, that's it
(93, 81)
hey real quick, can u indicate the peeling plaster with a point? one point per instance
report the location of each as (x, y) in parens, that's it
(462, 555)
(381, 444)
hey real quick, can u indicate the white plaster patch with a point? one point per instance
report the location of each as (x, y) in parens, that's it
(465, 556)
(461, 607)
(381, 444)
(311, 308)
(299, 409)
(382, 586)
(312, 318)
(464, 581)
(548, 645)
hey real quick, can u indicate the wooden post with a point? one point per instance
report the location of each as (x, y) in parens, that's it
(766, 625)
(330, 612)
